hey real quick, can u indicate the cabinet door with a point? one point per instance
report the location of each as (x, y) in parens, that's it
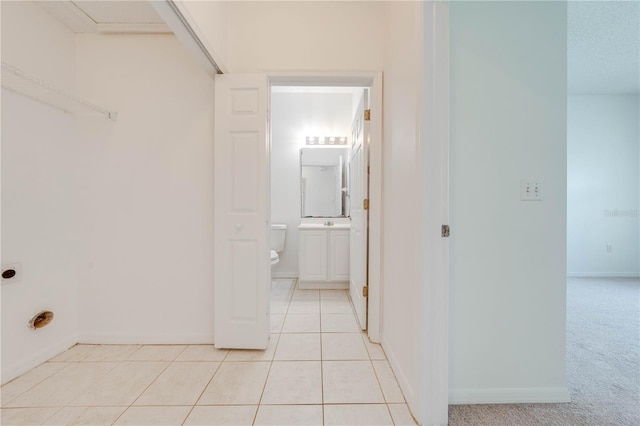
(338, 255)
(312, 259)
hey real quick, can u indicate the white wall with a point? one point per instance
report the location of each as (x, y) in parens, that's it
(213, 28)
(508, 257)
(402, 208)
(304, 36)
(293, 117)
(39, 193)
(148, 267)
(603, 185)
(359, 36)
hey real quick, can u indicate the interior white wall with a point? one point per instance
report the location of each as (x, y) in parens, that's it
(293, 117)
(508, 257)
(434, 136)
(603, 179)
(213, 28)
(304, 36)
(402, 210)
(369, 36)
(148, 271)
(40, 171)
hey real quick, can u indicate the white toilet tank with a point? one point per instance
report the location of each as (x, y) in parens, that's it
(278, 233)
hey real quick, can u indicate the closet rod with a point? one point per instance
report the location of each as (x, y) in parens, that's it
(18, 81)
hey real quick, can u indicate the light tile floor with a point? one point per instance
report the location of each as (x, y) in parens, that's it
(319, 369)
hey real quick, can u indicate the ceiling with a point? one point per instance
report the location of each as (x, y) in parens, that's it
(603, 53)
(89, 16)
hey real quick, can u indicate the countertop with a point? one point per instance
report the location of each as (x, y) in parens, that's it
(321, 226)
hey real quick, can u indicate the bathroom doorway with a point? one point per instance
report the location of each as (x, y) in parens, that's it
(312, 136)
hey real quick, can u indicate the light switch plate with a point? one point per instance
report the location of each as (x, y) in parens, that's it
(530, 190)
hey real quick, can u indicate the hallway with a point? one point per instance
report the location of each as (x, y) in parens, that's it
(318, 369)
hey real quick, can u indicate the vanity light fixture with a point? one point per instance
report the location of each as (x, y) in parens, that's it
(327, 140)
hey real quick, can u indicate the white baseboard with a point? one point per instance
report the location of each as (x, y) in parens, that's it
(292, 275)
(508, 395)
(34, 359)
(603, 274)
(148, 339)
(406, 388)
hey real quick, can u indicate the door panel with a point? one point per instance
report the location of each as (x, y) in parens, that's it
(241, 260)
(359, 190)
(339, 242)
(313, 256)
(244, 163)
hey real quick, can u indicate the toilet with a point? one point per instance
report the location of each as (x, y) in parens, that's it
(278, 232)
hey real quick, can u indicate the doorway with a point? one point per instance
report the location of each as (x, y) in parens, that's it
(312, 139)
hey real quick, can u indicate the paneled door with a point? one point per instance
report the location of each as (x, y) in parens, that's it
(359, 193)
(241, 260)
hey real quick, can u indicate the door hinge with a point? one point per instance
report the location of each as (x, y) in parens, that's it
(368, 170)
(365, 204)
(446, 231)
(367, 115)
(365, 291)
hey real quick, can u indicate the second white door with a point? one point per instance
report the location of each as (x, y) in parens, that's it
(359, 192)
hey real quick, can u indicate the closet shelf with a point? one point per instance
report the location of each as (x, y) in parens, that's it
(18, 81)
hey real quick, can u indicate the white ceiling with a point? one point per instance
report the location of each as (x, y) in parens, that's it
(119, 11)
(603, 54)
(88, 16)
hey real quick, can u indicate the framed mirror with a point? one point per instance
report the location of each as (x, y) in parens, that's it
(323, 182)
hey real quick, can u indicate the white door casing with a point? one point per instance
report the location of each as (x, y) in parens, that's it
(242, 278)
(359, 191)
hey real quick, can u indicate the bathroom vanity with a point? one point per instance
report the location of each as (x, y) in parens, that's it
(323, 256)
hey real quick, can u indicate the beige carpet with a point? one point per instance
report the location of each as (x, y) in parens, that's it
(603, 363)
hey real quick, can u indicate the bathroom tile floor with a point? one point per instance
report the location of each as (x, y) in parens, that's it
(319, 369)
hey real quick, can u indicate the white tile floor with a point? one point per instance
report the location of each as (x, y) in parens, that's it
(318, 369)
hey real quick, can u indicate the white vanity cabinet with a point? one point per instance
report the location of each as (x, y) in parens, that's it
(313, 256)
(323, 257)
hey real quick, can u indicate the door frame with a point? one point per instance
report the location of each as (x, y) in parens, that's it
(434, 141)
(373, 80)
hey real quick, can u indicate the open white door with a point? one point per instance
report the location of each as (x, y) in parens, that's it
(359, 194)
(242, 267)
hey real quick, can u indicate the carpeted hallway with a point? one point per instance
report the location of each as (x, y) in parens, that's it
(603, 363)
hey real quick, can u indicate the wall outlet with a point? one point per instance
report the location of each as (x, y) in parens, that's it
(609, 248)
(530, 190)
(11, 273)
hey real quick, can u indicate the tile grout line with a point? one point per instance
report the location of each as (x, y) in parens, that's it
(321, 360)
(384, 397)
(79, 362)
(3, 405)
(149, 385)
(207, 385)
(52, 415)
(116, 363)
(255, 416)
